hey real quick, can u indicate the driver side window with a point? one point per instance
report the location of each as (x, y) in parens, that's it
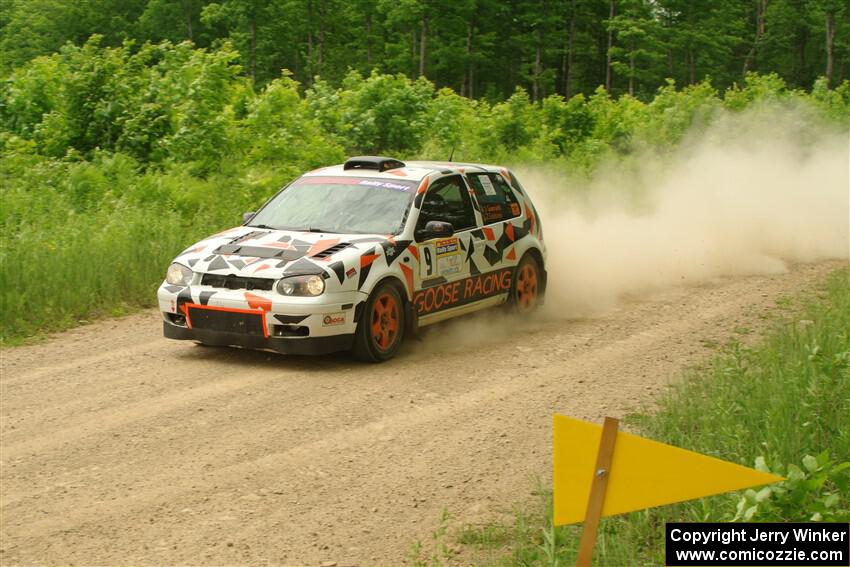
(447, 200)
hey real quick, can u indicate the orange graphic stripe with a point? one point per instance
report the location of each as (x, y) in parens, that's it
(367, 260)
(414, 251)
(408, 275)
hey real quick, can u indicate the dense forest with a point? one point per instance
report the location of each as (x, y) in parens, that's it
(479, 48)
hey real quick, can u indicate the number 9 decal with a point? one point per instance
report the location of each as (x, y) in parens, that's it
(427, 266)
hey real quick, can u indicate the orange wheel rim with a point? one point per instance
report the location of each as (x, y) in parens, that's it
(385, 321)
(526, 288)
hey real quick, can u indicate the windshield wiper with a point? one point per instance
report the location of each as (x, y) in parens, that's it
(315, 229)
(309, 229)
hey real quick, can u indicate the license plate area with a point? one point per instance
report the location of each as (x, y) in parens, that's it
(251, 322)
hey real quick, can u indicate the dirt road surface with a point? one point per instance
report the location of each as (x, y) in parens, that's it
(120, 447)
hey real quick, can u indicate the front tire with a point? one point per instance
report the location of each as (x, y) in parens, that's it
(381, 326)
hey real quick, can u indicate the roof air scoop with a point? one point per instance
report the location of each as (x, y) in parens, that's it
(377, 163)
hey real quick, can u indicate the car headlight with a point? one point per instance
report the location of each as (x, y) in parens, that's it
(301, 285)
(178, 274)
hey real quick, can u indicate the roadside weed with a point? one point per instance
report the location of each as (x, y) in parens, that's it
(440, 552)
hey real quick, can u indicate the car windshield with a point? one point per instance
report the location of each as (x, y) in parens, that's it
(339, 204)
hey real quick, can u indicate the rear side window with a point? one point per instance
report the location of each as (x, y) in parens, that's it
(495, 197)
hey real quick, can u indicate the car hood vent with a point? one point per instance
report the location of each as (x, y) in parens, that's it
(327, 252)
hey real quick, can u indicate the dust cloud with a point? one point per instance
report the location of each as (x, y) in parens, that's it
(756, 191)
(749, 195)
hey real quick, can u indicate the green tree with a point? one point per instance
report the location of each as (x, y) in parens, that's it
(40, 27)
(172, 20)
(639, 48)
(703, 38)
(241, 19)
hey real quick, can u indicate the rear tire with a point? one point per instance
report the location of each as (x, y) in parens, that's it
(527, 289)
(381, 327)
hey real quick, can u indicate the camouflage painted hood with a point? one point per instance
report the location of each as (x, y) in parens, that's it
(267, 253)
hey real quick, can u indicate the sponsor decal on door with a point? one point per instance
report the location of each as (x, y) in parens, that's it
(449, 260)
(461, 292)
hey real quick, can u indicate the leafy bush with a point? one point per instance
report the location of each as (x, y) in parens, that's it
(817, 492)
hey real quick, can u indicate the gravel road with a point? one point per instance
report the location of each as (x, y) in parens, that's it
(119, 447)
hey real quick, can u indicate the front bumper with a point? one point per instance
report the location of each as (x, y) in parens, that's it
(260, 319)
(304, 345)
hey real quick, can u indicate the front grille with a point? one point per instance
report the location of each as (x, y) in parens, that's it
(237, 282)
(227, 321)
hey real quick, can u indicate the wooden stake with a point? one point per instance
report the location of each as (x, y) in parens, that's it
(597, 492)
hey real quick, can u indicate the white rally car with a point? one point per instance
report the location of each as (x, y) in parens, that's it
(355, 256)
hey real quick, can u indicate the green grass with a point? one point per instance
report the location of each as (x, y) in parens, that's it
(783, 404)
(94, 265)
(86, 240)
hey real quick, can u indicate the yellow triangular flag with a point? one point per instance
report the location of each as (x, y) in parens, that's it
(643, 473)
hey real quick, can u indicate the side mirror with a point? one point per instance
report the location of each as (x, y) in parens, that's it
(247, 217)
(434, 229)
